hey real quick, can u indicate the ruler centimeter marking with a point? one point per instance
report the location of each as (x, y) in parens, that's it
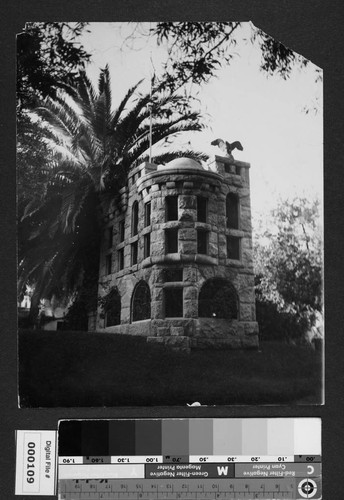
(192, 489)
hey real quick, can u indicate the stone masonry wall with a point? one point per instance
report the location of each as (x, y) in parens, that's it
(149, 184)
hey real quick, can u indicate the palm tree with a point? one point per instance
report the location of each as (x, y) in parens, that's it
(94, 148)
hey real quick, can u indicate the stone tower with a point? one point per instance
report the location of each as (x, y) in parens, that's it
(176, 260)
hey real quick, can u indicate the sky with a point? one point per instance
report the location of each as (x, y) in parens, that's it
(283, 143)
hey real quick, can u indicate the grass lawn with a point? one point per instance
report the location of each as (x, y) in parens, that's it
(97, 369)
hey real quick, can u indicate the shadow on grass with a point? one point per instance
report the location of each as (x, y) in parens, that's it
(97, 369)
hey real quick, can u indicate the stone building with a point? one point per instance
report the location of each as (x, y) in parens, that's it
(176, 261)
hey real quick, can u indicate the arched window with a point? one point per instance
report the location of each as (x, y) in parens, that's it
(112, 308)
(141, 302)
(218, 299)
(134, 218)
(232, 211)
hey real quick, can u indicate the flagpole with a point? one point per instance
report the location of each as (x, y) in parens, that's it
(151, 113)
(150, 127)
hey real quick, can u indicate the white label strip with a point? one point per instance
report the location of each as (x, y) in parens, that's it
(239, 458)
(71, 460)
(108, 471)
(36, 463)
(137, 460)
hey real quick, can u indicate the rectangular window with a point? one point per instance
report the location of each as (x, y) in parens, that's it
(121, 231)
(173, 302)
(202, 241)
(108, 264)
(134, 253)
(173, 275)
(121, 259)
(232, 169)
(134, 218)
(232, 211)
(171, 240)
(146, 243)
(109, 237)
(202, 209)
(171, 208)
(233, 247)
(147, 214)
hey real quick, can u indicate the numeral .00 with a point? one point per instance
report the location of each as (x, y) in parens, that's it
(30, 466)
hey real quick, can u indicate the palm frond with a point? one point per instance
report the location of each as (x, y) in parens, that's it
(116, 115)
(159, 133)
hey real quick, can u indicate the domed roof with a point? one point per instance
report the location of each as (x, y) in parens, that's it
(182, 163)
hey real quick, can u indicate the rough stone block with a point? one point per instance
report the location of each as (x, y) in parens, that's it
(156, 340)
(157, 217)
(188, 247)
(189, 274)
(190, 293)
(170, 185)
(158, 248)
(251, 328)
(186, 201)
(245, 224)
(212, 219)
(246, 312)
(222, 249)
(142, 328)
(190, 309)
(245, 201)
(186, 214)
(177, 331)
(157, 293)
(219, 328)
(157, 235)
(187, 234)
(163, 331)
(157, 309)
(181, 342)
(213, 249)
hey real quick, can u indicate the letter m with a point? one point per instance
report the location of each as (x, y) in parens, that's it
(222, 471)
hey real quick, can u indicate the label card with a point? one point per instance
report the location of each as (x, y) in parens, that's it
(36, 462)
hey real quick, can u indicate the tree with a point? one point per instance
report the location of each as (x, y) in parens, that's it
(198, 49)
(288, 261)
(94, 148)
(49, 57)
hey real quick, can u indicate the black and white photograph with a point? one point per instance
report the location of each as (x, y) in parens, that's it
(169, 216)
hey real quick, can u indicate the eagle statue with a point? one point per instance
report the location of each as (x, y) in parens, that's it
(226, 147)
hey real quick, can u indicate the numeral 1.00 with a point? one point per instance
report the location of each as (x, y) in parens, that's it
(30, 466)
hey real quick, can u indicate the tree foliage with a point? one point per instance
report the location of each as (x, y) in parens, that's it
(198, 49)
(91, 148)
(49, 57)
(288, 260)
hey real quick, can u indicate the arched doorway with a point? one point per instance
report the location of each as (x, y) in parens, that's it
(218, 299)
(141, 302)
